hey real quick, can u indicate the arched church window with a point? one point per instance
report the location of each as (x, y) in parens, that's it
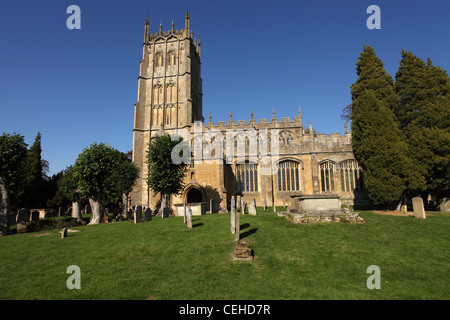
(159, 60)
(247, 176)
(288, 176)
(351, 176)
(171, 58)
(327, 170)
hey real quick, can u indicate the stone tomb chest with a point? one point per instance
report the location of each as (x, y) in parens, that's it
(324, 207)
(198, 208)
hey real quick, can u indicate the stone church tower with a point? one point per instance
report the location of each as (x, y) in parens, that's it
(169, 92)
(307, 163)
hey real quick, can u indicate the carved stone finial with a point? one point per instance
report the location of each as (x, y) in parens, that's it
(231, 116)
(210, 117)
(273, 113)
(251, 114)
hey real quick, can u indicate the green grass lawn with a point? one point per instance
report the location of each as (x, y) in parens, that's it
(163, 259)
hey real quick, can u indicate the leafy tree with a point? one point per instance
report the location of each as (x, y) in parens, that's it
(97, 174)
(164, 175)
(13, 151)
(376, 139)
(424, 115)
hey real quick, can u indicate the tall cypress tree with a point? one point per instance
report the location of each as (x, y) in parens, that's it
(424, 114)
(33, 181)
(376, 138)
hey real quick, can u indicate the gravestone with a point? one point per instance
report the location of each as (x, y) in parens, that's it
(444, 205)
(138, 214)
(418, 208)
(22, 226)
(265, 205)
(64, 233)
(233, 216)
(60, 211)
(242, 206)
(148, 214)
(238, 225)
(189, 217)
(23, 215)
(252, 209)
(211, 206)
(35, 216)
(184, 210)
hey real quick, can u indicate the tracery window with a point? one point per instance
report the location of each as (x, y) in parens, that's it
(247, 176)
(351, 176)
(327, 170)
(286, 138)
(288, 176)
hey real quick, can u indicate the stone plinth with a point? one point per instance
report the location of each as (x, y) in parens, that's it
(242, 251)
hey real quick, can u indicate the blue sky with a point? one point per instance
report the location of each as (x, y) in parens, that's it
(77, 87)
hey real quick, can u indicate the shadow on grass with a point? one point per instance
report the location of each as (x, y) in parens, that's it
(248, 232)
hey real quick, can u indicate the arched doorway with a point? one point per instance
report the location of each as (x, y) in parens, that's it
(194, 195)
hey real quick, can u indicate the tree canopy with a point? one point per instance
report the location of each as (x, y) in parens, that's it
(13, 151)
(102, 173)
(164, 175)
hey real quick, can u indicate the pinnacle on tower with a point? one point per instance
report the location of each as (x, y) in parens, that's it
(187, 22)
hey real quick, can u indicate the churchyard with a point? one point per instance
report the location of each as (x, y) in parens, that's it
(167, 259)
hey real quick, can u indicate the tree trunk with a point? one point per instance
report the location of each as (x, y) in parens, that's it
(124, 205)
(4, 209)
(76, 211)
(96, 207)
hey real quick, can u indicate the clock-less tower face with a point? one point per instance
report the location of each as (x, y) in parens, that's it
(169, 92)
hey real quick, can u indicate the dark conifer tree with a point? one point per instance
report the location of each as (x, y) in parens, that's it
(424, 116)
(376, 138)
(33, 182)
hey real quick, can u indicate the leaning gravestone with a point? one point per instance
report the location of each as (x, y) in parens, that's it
(184, 210)
(23, 215)
(64, 233)
(252, 209)
(233, 216)
(189, 217)
(148, 214)
(138, 214)
(418, 208)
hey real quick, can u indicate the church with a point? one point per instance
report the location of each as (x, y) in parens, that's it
(265, 161)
